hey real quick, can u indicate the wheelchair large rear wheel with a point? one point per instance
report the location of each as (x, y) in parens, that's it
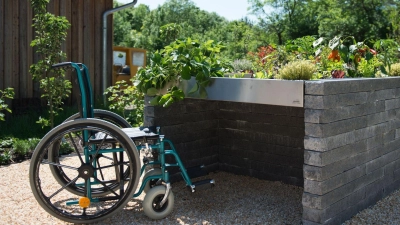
(55, 154)
(84, 173)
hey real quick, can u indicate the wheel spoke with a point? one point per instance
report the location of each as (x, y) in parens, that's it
(76, 148)
(62, 188)
(59, 165)
(101, 172)
(102, 183)
(98, 148)
(117, 164)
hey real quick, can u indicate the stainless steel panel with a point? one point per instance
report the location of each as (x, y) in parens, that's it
(260, 91)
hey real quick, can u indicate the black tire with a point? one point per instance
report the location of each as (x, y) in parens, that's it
(53, 196)
(105, 115)
(151, 183)
(151, 202)
(54, 155)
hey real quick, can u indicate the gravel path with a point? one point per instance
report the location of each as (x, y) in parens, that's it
(234, 200)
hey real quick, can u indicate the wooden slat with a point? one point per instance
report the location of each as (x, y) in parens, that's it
(23, 46)
(56, 9)
(88, 37)
(83, 44)
(109, 5)
(2, 27)
(99, 10)
(29, 51)
(15, 74)
(8, 43)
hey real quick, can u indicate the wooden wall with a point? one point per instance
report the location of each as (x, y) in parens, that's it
(84, 41)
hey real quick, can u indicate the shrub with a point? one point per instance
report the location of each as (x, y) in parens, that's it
(5, 156)
(394, 69)
(20, 149)
(242, 65)
(65, 148)
(298, 70)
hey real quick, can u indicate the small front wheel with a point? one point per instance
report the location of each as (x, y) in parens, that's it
(151, 183)
(151, 203)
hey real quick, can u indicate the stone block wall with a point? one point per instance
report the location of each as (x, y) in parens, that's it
(193, 129)
(352, 146)
(262, 141)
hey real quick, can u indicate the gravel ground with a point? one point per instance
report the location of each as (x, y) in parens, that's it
(234, 200)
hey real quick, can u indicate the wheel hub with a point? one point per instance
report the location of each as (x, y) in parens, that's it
(86, 171)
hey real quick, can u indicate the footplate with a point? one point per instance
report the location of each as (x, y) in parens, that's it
(202, 185)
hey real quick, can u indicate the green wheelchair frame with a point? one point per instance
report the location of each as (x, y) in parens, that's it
(101, 136)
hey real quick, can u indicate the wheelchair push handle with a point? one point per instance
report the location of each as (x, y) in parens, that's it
(64, 64)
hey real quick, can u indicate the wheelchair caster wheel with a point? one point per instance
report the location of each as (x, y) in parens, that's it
(151, 183)
(152, 200)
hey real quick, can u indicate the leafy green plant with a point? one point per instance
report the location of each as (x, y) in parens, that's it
(389, 52)
(181, 60)
(395, 70)
(368, 68)
(6, 93)
(126, 100)
(65, 148)
(298, 70)
(5, 156)
(51, 32)
(20, 149)
(242, 65)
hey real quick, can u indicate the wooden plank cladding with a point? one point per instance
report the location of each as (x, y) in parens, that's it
(83, 44)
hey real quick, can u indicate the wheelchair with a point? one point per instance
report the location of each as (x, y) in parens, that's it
(102, 173)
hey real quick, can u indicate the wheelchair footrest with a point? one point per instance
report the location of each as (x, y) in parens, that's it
(196, 171)
(202, 185)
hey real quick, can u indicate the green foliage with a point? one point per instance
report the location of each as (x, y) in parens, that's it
(395, 70)
(242, 65)
(181, 60)
(126, 100)
(65, 148)
(298, 70)
(20, 149)
(14, 149)
(368, 68)
(6, 93)
(51, 32)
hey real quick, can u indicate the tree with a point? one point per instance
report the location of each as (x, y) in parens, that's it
(363, 19)
(284, 18)
(50, 32)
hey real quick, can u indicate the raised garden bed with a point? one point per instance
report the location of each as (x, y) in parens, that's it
(341, 145)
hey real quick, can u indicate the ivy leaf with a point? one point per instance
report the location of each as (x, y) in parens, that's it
(185, 73)
(155, 100)
(152, 91)
(194, 88)
(203, 92)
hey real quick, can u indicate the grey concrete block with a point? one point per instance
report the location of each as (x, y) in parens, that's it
(316, 158)
(323, 216)
(381, 117)
(329, 143)
(334, 101)
(333, 169)
(323, 187)
(342, 113)
(392, 104)
(326, 200)
(382, 95)
(330, 87)
(335, 128)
